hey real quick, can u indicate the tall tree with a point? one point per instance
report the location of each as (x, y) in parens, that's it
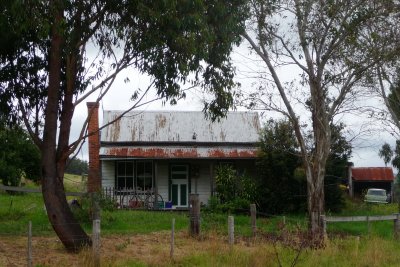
(389, 155)
(386, 153)
(327, 43)
(45, 71)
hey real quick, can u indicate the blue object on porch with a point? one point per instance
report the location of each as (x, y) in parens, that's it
(168, 205)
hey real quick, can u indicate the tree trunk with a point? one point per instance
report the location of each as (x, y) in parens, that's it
(60, 216)
(316, 202)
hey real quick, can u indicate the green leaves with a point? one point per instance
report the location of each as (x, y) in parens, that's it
(231, 186)
(18, 157)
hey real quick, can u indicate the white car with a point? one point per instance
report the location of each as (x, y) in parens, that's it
(375, 195)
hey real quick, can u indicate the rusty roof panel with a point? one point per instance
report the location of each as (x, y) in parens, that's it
(191, 152)
(372, 174)
(180, 126)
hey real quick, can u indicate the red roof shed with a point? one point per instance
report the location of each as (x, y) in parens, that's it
(372, 174)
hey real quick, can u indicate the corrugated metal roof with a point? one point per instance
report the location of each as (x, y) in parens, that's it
(156, 152)
(372, 174)
(180, 126)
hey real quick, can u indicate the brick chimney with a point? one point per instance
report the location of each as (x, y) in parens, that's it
(94, 181)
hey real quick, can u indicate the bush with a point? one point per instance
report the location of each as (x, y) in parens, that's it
(234, 192)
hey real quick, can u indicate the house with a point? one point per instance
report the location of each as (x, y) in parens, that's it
(360, 179)
(173, 153)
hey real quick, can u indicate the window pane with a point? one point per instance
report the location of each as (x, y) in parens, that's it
(140, 168)
(179, 168)
(121, 182)
(121, 168)
(129, 168)
(129, 182)
(140, 182)
(149, 167)
(178, 176)
(183, 195)
(148, 183)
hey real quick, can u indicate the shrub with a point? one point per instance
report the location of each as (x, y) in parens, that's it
(234, 192)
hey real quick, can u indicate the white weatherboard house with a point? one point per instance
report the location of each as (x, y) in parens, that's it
(174, 153)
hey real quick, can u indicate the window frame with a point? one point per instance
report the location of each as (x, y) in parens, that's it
(135, 175)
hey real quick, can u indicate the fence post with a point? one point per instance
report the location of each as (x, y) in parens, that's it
(231, 230)
(368, 225)
(253, 213)
(96, 242)
(171, 253)
(194, 214)
(29, 256)
(396, 227)
(95, 205)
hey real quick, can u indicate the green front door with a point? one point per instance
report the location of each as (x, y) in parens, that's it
(179, 185)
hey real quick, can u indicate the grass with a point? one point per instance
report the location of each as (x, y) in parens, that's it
(349, 244)
(372, 252)
(213, 251)
(17, 210)
(357, 207)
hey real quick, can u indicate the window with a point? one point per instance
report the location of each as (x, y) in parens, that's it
(179, 171)
(144, 175)
(124, 174)
(140, 177)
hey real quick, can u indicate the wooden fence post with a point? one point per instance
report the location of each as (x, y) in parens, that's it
(396, 227)
(171, 252)
(231, 230)
(253, 213)
(194, 214)
(29, 256)
(96, 242)
(368, 225)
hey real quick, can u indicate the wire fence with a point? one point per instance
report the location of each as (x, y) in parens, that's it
(37, 229)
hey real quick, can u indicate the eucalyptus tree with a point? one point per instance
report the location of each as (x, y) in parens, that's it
(387, 81)
(315, 53)
(386, 153)
(46, 71)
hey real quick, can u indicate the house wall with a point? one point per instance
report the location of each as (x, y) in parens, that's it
(108, 173)
(162, 170)
(201, 184)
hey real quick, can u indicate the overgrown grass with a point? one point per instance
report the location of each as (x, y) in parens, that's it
(349, 251)
(339, 252)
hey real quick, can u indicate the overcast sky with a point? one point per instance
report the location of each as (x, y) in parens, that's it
(366, 147)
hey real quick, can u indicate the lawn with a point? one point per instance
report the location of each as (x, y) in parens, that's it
(17, 210)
